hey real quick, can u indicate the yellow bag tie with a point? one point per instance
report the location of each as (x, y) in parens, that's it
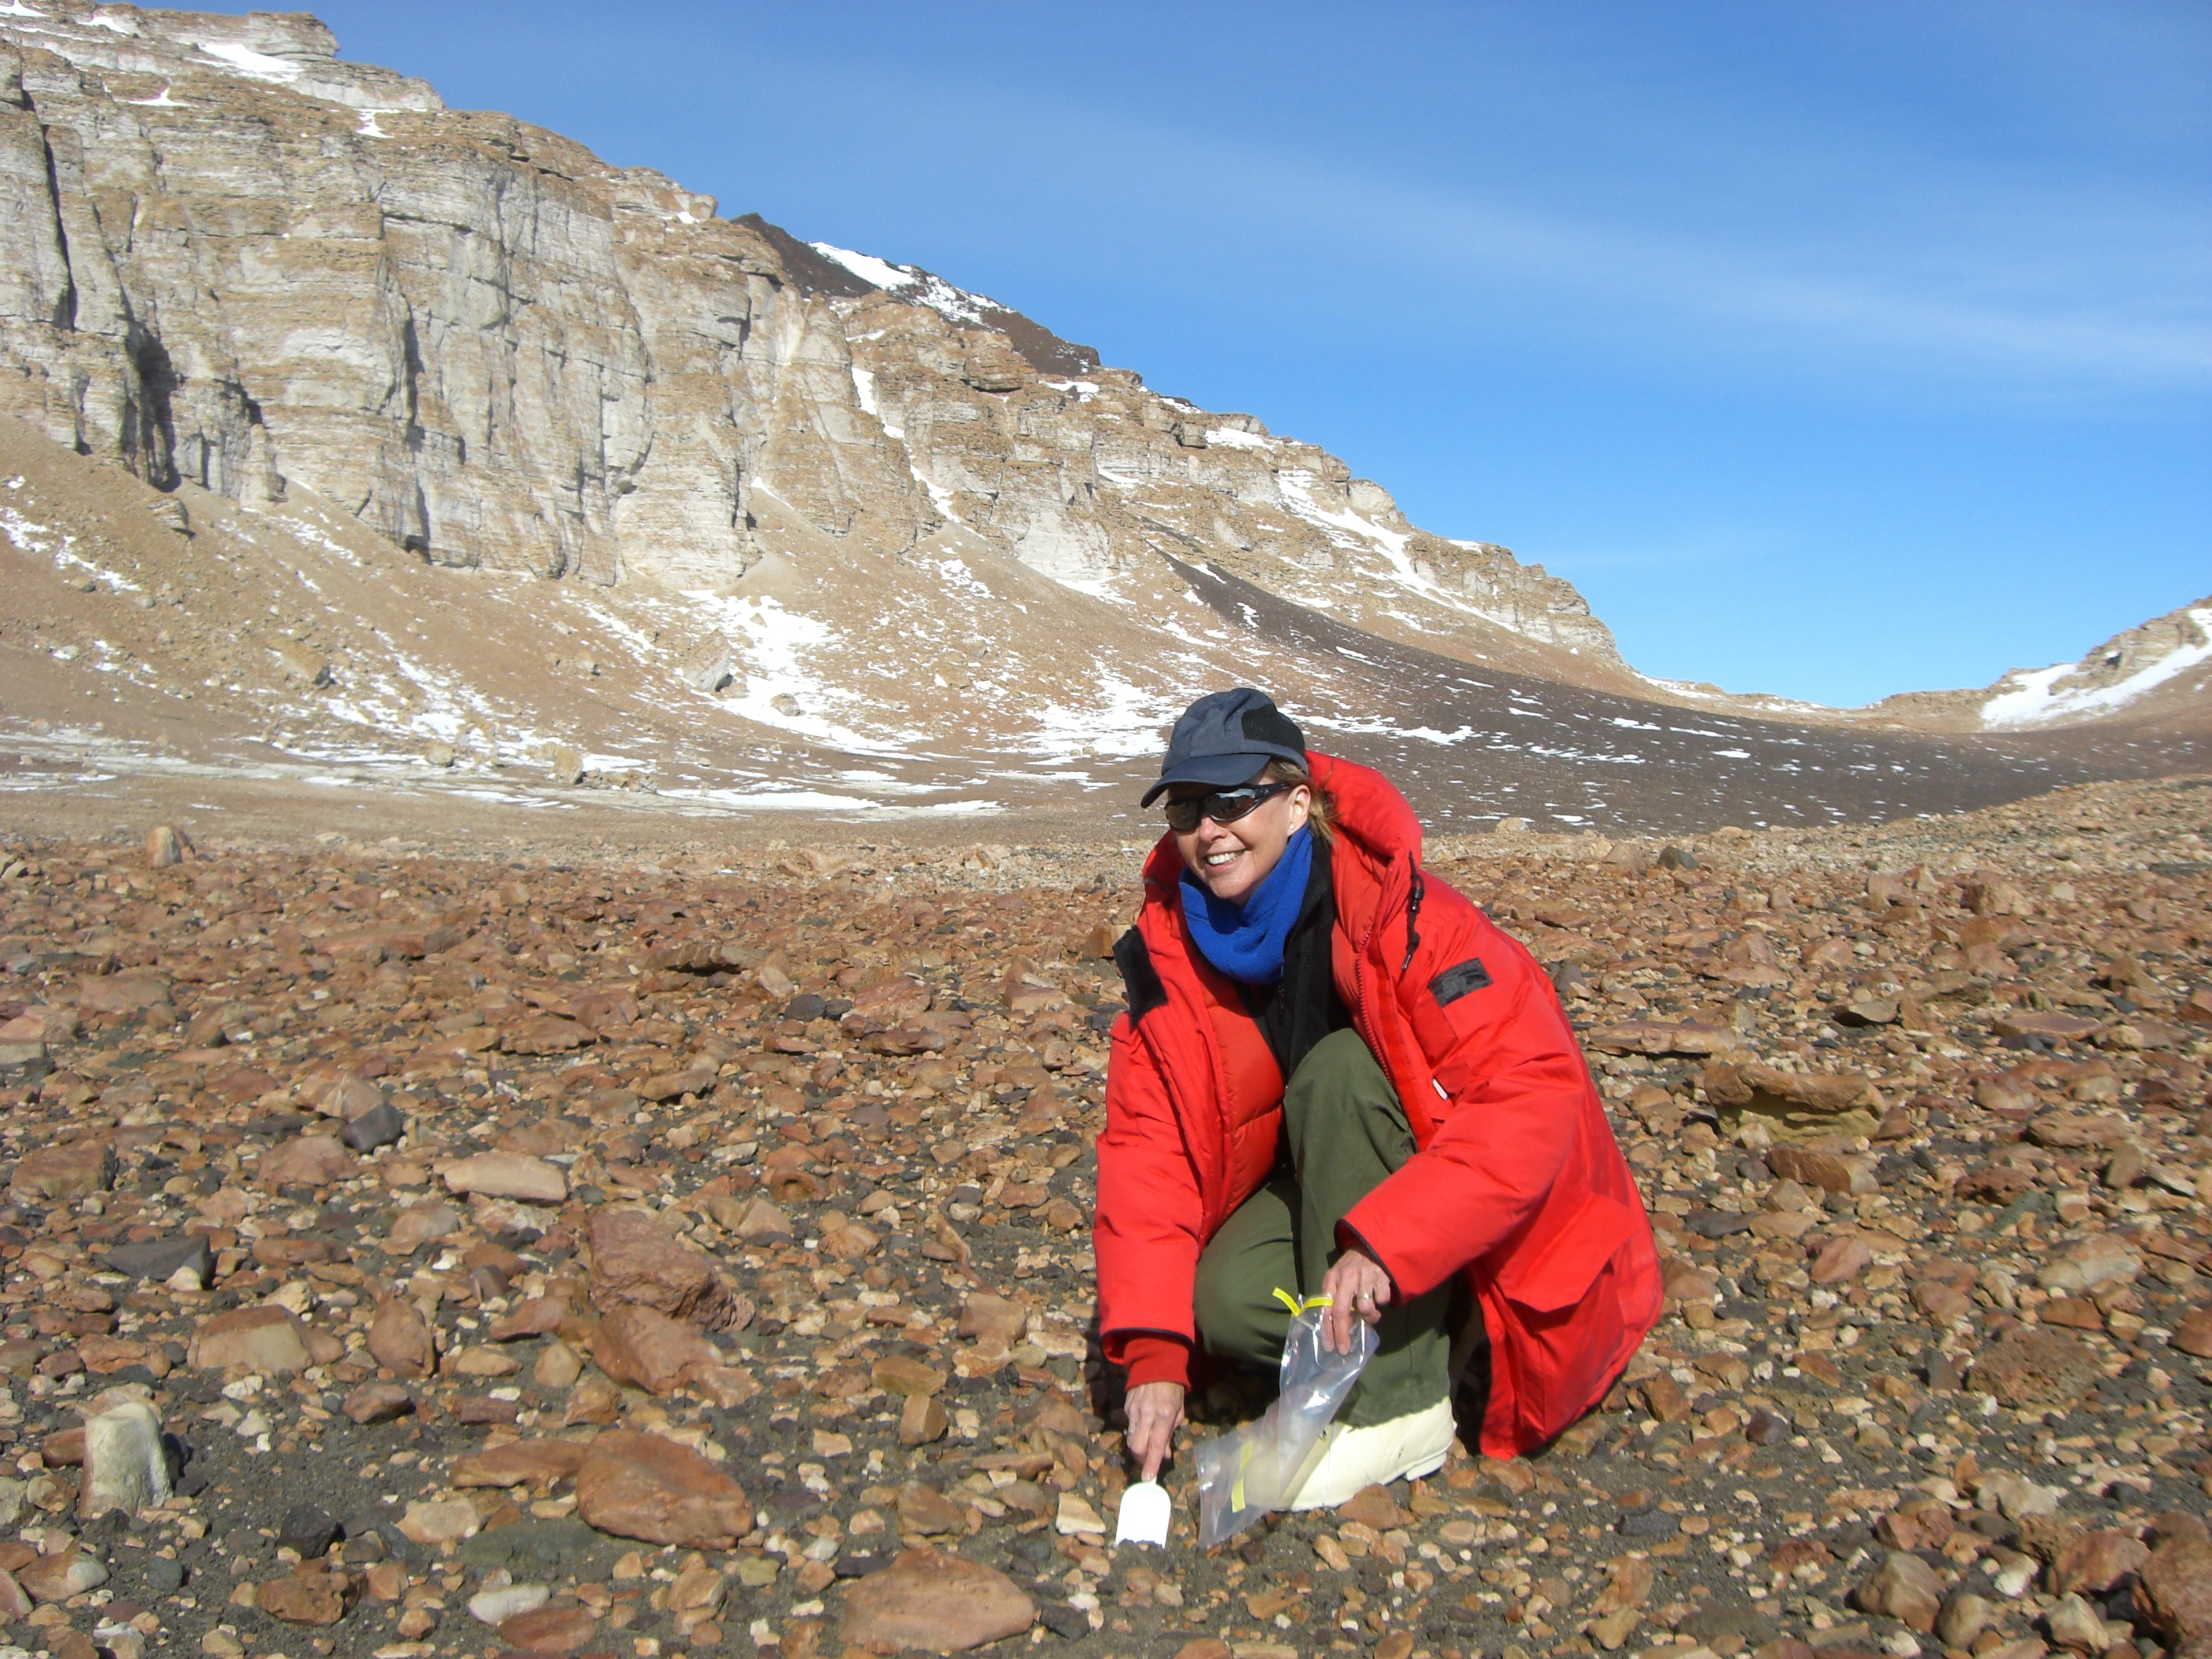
(1298, 1307)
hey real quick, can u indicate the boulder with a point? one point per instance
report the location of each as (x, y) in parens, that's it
(640, 1485)
(937, 1603)
(635, 1261)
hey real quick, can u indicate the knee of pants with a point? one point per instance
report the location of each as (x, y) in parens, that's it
(1227, 1324)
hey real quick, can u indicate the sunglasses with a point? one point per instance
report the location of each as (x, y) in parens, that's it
(1223, 805)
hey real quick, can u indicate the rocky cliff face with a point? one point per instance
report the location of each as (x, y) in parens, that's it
(229, 259)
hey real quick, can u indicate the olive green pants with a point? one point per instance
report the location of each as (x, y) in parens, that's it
(1346, 1132)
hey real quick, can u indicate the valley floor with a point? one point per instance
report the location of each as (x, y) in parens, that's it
(642, 1236)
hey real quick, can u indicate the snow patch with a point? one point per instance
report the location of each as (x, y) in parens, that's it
(866, 266)
(864, 385)
(255, 66)
(2031, 696)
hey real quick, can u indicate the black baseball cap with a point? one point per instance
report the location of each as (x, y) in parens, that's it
(1226, 739)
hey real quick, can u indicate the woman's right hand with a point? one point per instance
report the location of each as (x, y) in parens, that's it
(1155, 1412)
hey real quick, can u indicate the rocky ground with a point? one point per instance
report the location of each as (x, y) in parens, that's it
(410, 1255)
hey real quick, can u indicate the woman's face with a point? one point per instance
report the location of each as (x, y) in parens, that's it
(1232, 859)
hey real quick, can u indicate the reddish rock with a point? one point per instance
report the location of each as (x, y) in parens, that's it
(640, 1485)
(549, 1629)
(924, 1509)
(519, 1462)
(649, 1350)
(2193, 1335)
(2096, 1562)
(2037, 1368)
(941, 1603)
(378, 1402)
(305, 1598)
(306, 1161)
(399, 1341)
(508, 1175)
(897, 1374)
(1903, 1588)
(1841, 1259)
(1372, 1506)
(264, 1339)
(985, 1315)
(57, 1174)
(548, 1035)
(635, 1261)
(2175, 1586)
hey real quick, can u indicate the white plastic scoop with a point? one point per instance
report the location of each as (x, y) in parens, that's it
(1145, 1515)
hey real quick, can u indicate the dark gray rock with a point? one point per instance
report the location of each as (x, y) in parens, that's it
(158, 1258)
(309, 1529)
(379, 1126)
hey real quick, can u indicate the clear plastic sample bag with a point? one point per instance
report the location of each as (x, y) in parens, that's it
(1243, 1474)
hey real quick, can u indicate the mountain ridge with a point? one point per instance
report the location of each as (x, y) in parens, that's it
(805, 511)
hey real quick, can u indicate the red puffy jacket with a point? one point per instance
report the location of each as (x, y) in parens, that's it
(1517, 1180)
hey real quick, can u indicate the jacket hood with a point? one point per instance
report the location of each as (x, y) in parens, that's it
(1370, 814)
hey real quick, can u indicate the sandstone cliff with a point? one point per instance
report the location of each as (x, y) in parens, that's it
(229, 257)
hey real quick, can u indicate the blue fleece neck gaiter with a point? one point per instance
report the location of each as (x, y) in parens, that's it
(1245, 941)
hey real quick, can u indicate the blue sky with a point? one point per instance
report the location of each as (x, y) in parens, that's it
(1832, 350)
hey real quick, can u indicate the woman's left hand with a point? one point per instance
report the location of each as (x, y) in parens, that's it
(1356, 1287)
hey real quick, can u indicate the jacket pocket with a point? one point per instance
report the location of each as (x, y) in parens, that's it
(1556, 1263)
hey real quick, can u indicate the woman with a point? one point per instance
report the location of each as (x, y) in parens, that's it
(1336, 1078)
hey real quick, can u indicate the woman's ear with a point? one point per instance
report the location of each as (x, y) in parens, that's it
(1301, 807)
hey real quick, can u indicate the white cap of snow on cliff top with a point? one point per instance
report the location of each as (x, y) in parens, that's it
(935, 292)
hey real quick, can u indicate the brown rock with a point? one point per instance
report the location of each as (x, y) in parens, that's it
(57, 1174)
(2037, 1368)
(1795, 1106)
(941, 1603)
(1664, 1399)
(674, 1085)
(519, 1462)
(640, 1485)
(1840, 1259)
(649, 1350)
(508, 1175)
(126, 995)
(549, 1629)
(635, 1261)
(264, 1339)
(1628, 1586)
(52, 1579)
(1831, 1172)
(897, 1374)
(2096, 1562)
(399, 1341)
(985, 1315)
(419, 1225)
(1903, 1588)
(306, 1161)
(2073, 1313)
(378, 1402)
(547, 1034)
(923, 1509)
(2193, 1335)
(2175, 1586)
(1915, 1527)
(1372, 1506)
(762, 1219)
(305, 1598)
(922, 1421)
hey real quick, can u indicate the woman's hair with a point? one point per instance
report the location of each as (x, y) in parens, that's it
(1321, 812)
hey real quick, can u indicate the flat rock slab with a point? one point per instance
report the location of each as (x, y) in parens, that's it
(640, 1485)
(520, 1462)
(508, 1175)
(2037, 1368)
(940, 1603)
